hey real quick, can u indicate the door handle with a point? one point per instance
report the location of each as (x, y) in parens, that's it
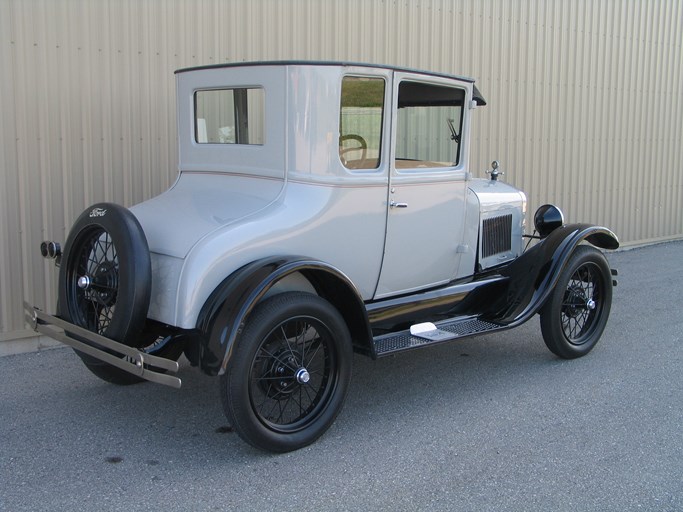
(394, 204)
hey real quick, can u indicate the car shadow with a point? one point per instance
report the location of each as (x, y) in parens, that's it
(159, 422)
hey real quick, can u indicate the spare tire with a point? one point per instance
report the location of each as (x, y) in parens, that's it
(105, 281)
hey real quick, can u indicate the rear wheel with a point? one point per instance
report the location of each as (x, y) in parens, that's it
(575, 316)
(105, 281)
(287, 380)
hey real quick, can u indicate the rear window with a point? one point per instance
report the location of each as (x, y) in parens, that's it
(230, 116)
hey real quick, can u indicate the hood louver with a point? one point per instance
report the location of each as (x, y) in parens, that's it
(496, 235)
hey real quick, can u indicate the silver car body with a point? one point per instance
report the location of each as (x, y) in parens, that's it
(292, 195)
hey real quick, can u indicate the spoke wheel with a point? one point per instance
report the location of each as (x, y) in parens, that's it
(293, 374)
(105, 281)
(575, 316)
(581, 304)
(288, 378)
(93, 280)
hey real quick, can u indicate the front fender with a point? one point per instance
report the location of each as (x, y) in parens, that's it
(225, 312)
(534, 274)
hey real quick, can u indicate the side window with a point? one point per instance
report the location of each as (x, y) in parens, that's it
(429, 125)
(229, 116)
(360, 122)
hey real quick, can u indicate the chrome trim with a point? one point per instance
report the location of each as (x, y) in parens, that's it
(302, 376)
(134, 361)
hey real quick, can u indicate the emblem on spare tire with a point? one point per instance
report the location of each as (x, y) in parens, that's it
(97, 212)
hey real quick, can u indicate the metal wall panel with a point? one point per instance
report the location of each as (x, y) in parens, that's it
(585, 101)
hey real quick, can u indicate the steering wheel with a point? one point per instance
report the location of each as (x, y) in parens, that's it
(362, 147)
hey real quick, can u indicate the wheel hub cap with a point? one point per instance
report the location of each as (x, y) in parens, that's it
(590, 304)
(284, 374)
(84, 282)
(302, 376)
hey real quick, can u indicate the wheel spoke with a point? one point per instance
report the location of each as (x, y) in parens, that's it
(279, 416)
(296, 402)
(285, 338)
(269, 355)
(261, 379)
(318, 342)
(308, 390)
(272, 408)
(265, 397)
(301, 392)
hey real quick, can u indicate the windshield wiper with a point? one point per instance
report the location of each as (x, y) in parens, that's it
(454, 134)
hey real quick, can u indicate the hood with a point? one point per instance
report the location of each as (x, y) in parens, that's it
(497, 195)
(198, 204)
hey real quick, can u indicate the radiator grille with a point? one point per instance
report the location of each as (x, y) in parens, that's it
(497, 235)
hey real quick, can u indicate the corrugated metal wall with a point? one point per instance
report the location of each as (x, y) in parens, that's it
(585, 101)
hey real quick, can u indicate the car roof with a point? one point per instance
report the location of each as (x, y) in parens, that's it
(477, 95)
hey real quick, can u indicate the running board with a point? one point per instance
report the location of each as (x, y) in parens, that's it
(448, 330)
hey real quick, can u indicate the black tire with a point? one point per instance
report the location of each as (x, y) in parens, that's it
(107, 246)
(287, 379)
(575, 316)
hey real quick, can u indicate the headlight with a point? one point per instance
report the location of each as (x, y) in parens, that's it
(548, 218)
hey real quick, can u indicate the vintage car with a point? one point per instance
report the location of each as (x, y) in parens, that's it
(320, 209)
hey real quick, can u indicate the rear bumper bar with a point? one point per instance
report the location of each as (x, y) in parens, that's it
(117, 354)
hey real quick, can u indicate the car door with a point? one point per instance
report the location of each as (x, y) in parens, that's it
(428, 182)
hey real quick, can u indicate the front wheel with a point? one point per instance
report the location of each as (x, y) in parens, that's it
(575, 316)
(287, 380)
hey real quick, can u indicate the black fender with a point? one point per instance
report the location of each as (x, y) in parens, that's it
(534, 274)
(225, 312)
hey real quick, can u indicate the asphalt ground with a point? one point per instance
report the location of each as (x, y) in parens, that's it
(491, 423)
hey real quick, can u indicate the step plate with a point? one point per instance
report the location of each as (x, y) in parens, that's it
(397, 342)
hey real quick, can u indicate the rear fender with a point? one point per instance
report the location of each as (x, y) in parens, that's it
(534, 274)
(226, 311)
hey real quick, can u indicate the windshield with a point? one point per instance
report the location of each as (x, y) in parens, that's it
(429, 125)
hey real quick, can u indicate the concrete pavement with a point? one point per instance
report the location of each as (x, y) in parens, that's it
(493, 423)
